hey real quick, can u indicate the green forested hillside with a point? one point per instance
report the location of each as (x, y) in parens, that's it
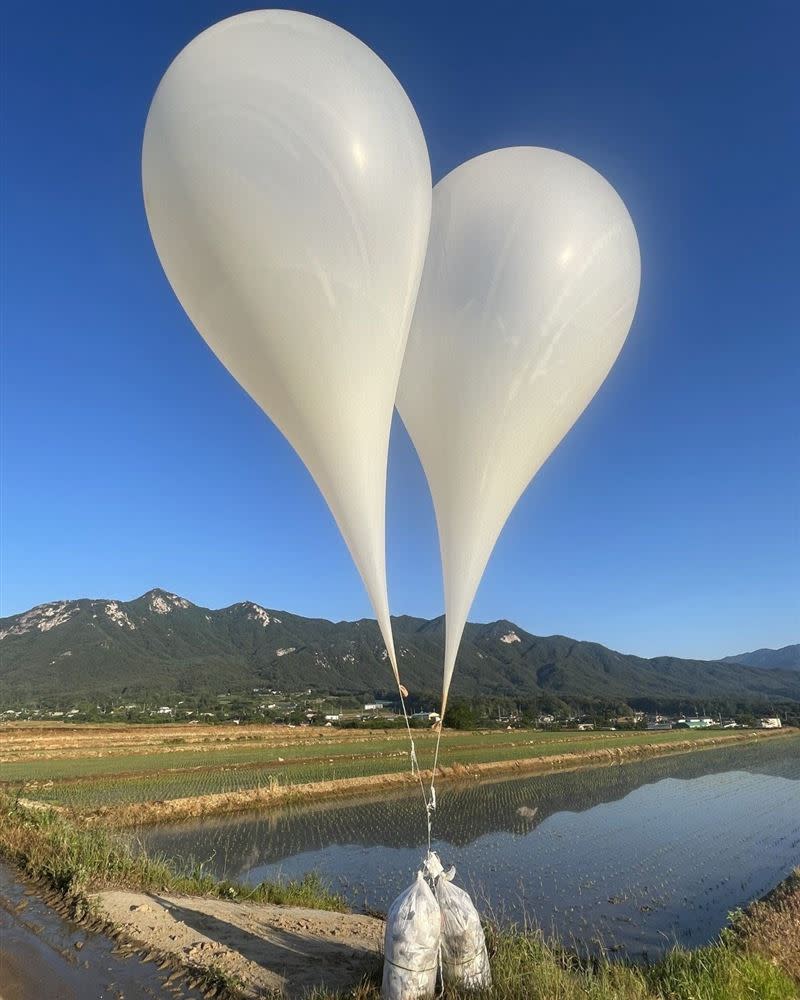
(785, 658)
(163, 643)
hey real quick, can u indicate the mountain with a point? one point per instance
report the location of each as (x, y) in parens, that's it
(161, 643)
(786, 658)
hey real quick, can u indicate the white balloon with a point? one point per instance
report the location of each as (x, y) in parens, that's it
(529, 290)
(288, 191)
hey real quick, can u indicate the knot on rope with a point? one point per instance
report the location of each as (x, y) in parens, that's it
(436, 870)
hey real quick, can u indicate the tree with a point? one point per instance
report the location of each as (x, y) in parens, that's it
(460, 715)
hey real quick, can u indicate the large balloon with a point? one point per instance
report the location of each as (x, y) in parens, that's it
(288, 191)
(529, 290)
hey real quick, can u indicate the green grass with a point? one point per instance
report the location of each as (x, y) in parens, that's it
(73, 861)
(85, 783)
(526, 967)
(456, 746)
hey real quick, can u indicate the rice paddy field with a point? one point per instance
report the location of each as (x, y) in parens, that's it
(85, 768)
(631, 859)
(655, 848)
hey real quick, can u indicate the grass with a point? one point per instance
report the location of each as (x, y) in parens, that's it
(771, 926)
(94, 776)
(526, 967)
(459, 746)
(73, 861)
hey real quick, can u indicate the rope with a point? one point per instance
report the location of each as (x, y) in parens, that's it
(436, 757)
(405, 968)
(430, 805)
(453, 964)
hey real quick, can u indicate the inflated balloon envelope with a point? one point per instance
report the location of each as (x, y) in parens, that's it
(529, 289)
(288, 192)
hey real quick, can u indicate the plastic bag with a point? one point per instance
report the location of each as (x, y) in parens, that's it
(465, 960)
(411, 944)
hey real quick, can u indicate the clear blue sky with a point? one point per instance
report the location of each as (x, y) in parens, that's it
(667, 522)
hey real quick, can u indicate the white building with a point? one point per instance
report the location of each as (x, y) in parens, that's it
(772, 723)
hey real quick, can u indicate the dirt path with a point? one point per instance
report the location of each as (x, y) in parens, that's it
(264, 947)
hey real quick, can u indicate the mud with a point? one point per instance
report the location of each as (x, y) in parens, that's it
(44, 956)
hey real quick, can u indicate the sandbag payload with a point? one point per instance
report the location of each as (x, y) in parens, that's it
(465, 960)
(411, 944)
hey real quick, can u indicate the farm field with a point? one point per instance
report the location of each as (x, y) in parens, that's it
(83, 768)
(628, 855)
(620, 861)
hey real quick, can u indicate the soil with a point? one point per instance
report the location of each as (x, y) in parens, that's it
(263, 947)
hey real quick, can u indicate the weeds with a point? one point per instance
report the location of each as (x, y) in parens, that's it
(527, 967)
(72, 860)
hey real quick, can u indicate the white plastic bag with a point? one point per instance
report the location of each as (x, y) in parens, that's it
(411, 944)
(465, 960)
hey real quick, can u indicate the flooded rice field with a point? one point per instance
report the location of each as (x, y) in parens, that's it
(634, 857)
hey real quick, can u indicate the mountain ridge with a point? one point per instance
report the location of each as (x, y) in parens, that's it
(161, 642)
(785, 658)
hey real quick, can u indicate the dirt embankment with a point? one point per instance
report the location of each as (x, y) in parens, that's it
(228, 802)
(264, 949)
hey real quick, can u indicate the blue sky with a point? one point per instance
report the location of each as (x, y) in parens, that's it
(666, 522)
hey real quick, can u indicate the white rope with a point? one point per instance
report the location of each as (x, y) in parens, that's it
(414, 762)
(430, 803)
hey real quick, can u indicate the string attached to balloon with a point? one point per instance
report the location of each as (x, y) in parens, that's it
(428, 799)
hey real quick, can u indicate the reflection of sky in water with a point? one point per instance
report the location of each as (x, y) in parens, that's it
(636, 855)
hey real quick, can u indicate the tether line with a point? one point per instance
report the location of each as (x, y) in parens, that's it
(415, 769)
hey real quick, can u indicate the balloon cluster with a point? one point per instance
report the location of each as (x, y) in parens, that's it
(288, 192)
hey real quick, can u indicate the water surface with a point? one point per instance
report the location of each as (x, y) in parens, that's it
(46, 957)
(634, 856)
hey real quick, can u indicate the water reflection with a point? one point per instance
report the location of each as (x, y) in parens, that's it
(635, 855)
